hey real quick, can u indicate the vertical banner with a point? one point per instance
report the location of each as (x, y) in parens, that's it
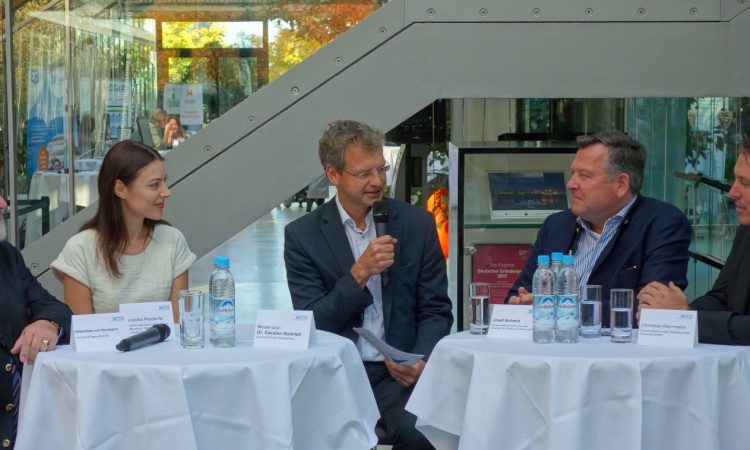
(499, 265)
(115, 110)
(191, 105)
(172, 98)
(45, 140)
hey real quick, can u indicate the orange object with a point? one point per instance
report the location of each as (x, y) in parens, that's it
(42, 160)
(437, 204)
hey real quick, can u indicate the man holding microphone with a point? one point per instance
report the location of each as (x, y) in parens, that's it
(392, 284)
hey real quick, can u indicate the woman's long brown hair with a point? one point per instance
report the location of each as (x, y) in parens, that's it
(122, 162)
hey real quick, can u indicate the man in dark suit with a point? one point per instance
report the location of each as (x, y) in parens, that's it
(395, 285)
(620, 238)
(32, 321)
(724, 311)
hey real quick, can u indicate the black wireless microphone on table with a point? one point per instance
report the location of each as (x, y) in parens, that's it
(152, 335)
(380, 215)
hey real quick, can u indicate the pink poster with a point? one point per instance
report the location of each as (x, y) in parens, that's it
(499, 265)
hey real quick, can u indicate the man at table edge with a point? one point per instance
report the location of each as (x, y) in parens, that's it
(33, 321)
(620, 238)
(723, 311)
(335, 267)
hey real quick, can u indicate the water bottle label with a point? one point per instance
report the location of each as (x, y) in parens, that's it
(222, 317)
(567, 312)
(544, 311)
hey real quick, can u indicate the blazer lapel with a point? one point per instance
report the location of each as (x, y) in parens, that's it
(394, 230)
(620, 230)
(335, 236)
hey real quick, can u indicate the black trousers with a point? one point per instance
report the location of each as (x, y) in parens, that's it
(391, 398)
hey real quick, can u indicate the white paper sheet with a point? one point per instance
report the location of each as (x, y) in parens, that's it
(389, 352)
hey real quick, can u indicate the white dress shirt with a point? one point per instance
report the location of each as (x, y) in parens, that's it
(373, 316)
(591, 244)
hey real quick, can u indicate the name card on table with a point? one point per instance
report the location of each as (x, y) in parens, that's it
(98, 332)
(141, 316)
(511, 322)
(284, 329)
(668, 328)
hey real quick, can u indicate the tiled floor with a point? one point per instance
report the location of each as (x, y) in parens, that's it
(256, 256)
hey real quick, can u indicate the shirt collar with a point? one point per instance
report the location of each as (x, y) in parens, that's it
(614, 219)
(347, 220)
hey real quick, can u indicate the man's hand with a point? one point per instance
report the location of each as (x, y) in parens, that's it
(660, 296)
(38, 336)
(405, 375)
(377, 257)
(524, 297)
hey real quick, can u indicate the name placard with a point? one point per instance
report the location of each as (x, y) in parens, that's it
(141, 316)
(668, 328)
(511, 322)
(98, 332)
(284, 329)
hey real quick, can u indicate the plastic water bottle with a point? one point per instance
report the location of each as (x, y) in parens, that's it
(221, 292)
(555, 265)
(567, 302)
(544, 302)
(556, 258)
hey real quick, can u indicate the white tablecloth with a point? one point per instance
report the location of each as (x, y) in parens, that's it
(478, 393)
(166, 397)
(55, 186)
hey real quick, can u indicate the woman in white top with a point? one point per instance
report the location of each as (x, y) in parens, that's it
(126, 253)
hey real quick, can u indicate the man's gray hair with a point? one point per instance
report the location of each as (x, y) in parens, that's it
(626, 155)
(339, 134)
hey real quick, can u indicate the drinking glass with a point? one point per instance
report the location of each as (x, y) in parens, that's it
(479, 320)
(621, 314)
(192, 333)
(591, 310)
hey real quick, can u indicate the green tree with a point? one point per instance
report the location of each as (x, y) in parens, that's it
(305, 27)
(191, 35)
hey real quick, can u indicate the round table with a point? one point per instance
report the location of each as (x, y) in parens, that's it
(163, 397)
(483, 393)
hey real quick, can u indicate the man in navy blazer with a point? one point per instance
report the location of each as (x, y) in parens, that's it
(395, 284)
(620, 238)
(724, 311)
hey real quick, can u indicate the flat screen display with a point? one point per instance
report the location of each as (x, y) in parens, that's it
(524, 195)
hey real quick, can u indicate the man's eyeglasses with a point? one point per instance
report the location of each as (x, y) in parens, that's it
(382, 170)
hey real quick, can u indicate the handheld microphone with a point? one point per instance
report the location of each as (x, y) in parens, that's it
(156, 333)
(380, 215)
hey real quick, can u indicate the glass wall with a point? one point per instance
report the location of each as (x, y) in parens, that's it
(88, 74)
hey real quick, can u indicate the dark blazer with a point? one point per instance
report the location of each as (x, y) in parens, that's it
(416, 308)
(650, 245)
(724, 311)
(22, 301)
